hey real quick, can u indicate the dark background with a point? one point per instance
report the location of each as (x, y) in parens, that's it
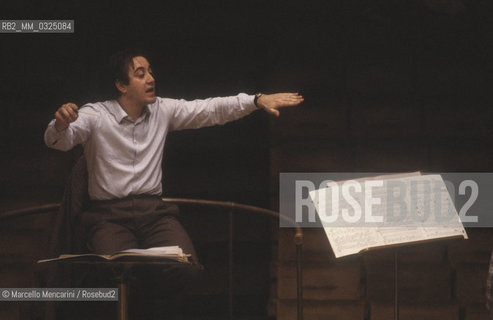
(391, 72)
(388, 86)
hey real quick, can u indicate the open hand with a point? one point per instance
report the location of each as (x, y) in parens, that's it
(272, 102)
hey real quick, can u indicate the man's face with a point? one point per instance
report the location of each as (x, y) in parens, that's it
(141, 86)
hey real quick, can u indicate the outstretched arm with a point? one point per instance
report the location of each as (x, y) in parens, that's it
(272, 102)
(213, 111)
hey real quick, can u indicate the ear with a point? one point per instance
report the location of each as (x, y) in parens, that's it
(121, 87)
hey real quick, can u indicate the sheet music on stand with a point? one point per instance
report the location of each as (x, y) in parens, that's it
(425, 208)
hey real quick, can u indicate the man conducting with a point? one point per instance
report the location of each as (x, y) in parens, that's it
(123, 141)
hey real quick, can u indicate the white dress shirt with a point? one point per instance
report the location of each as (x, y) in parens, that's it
(124, 156)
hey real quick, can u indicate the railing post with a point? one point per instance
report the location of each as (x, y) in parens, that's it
(299, 273)
(230, 264)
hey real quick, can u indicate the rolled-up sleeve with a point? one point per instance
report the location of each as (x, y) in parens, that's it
(208, 112)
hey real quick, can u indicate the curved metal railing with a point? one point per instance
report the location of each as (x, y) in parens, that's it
(13, 214)
(232, 207)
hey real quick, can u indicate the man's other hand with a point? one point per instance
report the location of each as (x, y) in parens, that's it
(272, 102)
(65, 115)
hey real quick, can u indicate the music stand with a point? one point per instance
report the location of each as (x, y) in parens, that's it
(121, 270)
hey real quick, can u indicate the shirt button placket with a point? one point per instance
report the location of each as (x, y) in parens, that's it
(135, 152)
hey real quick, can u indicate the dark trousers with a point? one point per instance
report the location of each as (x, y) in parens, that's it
(143, 222)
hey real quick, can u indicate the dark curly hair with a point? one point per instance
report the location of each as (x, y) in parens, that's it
(119, 64)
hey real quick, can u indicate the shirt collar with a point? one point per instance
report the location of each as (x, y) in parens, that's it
(117, 111)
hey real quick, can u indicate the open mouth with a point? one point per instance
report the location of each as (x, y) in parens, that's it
(150, 90)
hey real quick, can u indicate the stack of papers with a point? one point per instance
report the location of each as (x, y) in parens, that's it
(174, 253)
